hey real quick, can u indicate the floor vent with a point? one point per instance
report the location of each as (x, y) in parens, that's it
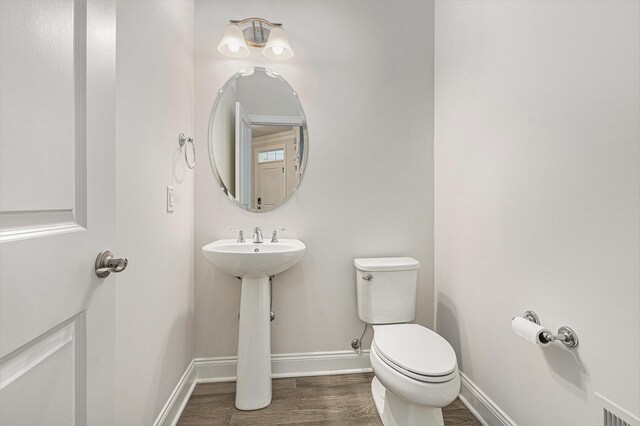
(610, 414)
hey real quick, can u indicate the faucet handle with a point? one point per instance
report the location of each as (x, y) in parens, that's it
(240, 234)
(274, 236)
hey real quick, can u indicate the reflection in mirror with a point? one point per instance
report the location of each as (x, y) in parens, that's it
(258, 139)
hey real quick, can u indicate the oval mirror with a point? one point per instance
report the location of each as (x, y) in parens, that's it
(258, 139)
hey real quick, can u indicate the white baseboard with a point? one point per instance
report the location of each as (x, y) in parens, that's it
(485, 410)
(223, 369)
(170, 413)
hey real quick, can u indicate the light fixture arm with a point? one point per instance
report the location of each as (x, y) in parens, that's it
(245, 21)
(256, 30)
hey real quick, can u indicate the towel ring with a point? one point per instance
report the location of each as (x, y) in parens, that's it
(182, 141)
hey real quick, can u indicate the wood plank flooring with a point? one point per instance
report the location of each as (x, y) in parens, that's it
(322, 400)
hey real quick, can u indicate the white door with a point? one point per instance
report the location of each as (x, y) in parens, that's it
(57, 199)
(243, 156)
(270, 176)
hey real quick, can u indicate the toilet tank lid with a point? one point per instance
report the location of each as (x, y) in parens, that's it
(373, 264)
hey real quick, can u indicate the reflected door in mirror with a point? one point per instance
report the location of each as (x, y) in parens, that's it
(275, 164)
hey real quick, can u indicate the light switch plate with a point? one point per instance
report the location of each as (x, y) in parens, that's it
(170, 199)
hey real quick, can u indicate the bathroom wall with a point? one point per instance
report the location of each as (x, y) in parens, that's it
(537, 195)
(367, 190)
(154, 326)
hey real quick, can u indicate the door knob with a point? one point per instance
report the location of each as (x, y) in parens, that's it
(106, 264)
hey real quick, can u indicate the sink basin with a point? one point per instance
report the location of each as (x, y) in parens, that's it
(254, 263)
(254, 260)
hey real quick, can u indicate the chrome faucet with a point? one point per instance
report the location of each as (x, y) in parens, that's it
(257, 235)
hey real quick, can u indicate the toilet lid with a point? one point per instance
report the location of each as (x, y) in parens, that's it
(415, 349)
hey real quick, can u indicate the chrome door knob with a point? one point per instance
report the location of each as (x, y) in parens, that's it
(106, 264)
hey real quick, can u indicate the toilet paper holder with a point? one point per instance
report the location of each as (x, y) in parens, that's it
(566, 335)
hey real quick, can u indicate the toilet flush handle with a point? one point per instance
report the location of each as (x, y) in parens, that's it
(368, 277)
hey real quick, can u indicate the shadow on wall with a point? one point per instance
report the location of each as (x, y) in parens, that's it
(179, 165)
(566, 365)
(222, 316)
(163, 380)
(447, 325)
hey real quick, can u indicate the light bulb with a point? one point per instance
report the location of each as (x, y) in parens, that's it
(277, 46)
(233, 43)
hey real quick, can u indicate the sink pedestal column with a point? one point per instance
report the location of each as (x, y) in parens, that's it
(253, 386)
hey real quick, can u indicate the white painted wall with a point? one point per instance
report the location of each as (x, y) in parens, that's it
(537, 199)
(367, 190)
(155, 294)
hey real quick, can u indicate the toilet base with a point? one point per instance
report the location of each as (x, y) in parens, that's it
(394, 411)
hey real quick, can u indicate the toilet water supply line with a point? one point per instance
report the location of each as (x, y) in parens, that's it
(356, 344)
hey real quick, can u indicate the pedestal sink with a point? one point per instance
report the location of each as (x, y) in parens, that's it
(254, 263)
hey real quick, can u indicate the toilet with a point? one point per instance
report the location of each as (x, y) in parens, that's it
(416, 370)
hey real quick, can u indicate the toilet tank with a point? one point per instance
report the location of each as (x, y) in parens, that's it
(386, 289)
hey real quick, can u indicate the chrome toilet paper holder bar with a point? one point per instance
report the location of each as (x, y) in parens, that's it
(566, 335)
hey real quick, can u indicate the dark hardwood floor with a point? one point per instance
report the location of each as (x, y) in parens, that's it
(322, 400)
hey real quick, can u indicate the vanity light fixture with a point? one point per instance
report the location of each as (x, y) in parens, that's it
(255, 32)
(233, 43)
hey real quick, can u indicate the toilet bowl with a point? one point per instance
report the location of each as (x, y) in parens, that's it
(416, 374)
(416, 370)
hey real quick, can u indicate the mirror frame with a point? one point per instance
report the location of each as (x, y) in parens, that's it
(305, 152)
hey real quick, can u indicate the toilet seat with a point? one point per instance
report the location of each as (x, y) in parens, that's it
(412, 390)
(416, 352)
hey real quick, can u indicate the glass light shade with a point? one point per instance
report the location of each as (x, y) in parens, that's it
(233, 43)
(277, 46)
